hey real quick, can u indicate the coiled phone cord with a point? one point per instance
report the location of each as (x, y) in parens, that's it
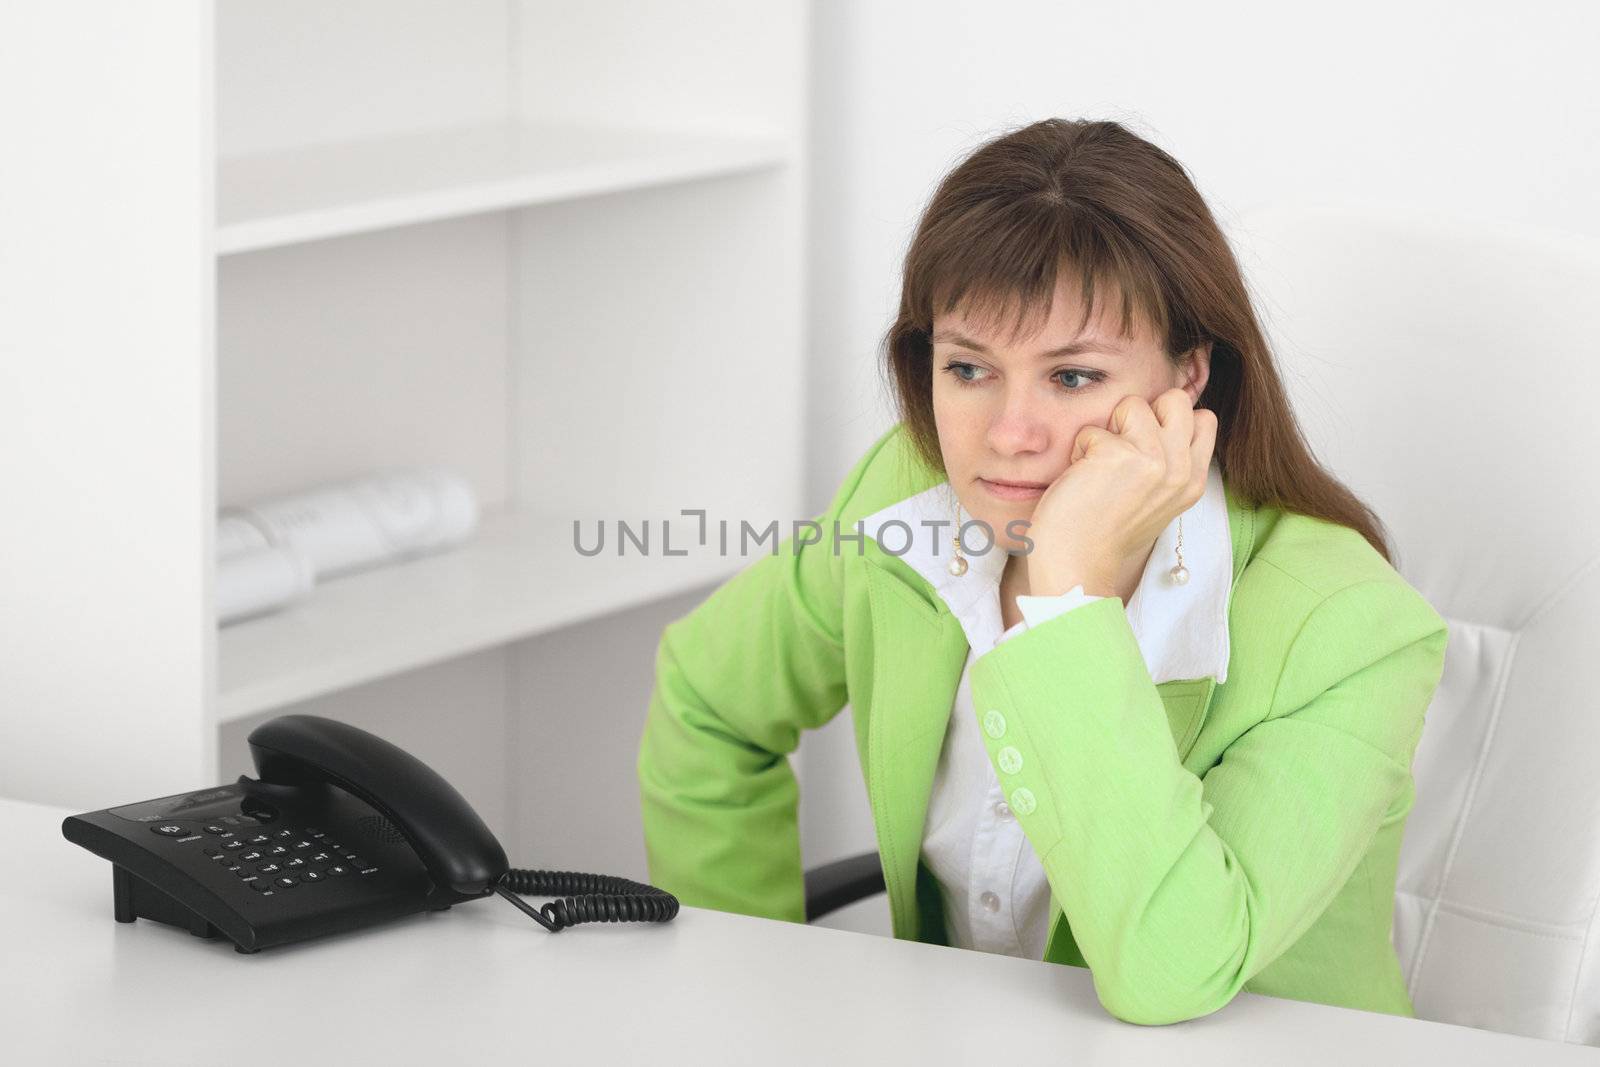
(605, 898)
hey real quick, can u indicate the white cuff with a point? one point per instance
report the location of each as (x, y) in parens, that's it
(1038, 609)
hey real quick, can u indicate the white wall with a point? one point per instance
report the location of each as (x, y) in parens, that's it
(1481, 108)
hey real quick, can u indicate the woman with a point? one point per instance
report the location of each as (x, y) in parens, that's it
(1154, 712)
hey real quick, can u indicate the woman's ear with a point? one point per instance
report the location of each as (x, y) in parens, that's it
(1195, 371)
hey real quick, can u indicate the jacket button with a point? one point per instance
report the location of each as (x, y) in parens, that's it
(994, 724)
(1022, 801)
(1010, 760)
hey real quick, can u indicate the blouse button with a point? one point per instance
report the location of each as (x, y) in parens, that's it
(1003, 810)
(990, 902)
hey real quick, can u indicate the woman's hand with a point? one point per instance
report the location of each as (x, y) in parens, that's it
(1125, 483)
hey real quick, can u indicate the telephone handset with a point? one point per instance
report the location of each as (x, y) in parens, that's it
(340, 830)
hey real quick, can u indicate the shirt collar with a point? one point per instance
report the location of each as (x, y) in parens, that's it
(1182, 630)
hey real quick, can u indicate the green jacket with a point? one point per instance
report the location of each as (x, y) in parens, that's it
(1199, 838)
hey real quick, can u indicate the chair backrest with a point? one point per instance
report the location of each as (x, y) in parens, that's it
(1444, 370)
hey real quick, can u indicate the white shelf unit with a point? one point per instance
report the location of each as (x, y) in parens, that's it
(496, 589)
(554, 247)
(267, 199)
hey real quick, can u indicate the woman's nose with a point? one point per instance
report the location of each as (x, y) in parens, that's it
(1020, 425)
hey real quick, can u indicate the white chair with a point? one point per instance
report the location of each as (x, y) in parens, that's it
(1445, 369)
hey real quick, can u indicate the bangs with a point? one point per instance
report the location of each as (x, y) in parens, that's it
(1001, 274)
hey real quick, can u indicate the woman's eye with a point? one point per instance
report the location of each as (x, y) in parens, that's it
(1087, 377)
(958, 371)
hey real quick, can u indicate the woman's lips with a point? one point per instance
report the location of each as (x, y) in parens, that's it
(1007, 491)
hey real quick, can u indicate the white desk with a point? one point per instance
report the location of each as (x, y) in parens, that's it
(482, 982)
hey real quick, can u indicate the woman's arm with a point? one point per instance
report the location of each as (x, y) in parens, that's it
(1180, 889)
(737, 679)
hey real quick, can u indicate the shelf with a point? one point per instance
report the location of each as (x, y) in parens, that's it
(277, 198)
(520, 575)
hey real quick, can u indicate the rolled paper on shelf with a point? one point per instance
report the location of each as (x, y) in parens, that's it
(255, 581)
(365, 522)
(236, 534)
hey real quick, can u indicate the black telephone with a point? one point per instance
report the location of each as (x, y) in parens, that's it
(341, 830)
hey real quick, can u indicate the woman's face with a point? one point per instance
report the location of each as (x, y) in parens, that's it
(1010, 413)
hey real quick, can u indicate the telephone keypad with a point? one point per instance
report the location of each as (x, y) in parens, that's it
(254, 858)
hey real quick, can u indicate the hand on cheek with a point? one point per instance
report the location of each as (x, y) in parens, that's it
(1125, 482)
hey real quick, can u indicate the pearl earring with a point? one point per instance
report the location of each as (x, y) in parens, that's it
(1180, 573)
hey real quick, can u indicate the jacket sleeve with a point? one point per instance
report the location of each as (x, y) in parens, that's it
(1038, 610)
(1180, 889)
(736, 680)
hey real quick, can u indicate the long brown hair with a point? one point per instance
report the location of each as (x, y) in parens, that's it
(1095, 199)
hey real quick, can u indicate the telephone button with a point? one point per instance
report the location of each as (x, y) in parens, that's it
(219, 829)
(170, 829)
(269, 868)
(276, 850)
(244, 873)
(260, 839)
(338, 871)
(235, 843)
(298, 845)
(312, 831)
(286, 882)
(252, 856)
(322, 857)
(261, 887)
(311, 876)
(295, 862)
(355, 861)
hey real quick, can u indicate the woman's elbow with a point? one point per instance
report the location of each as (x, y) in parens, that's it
(1152, 1004)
